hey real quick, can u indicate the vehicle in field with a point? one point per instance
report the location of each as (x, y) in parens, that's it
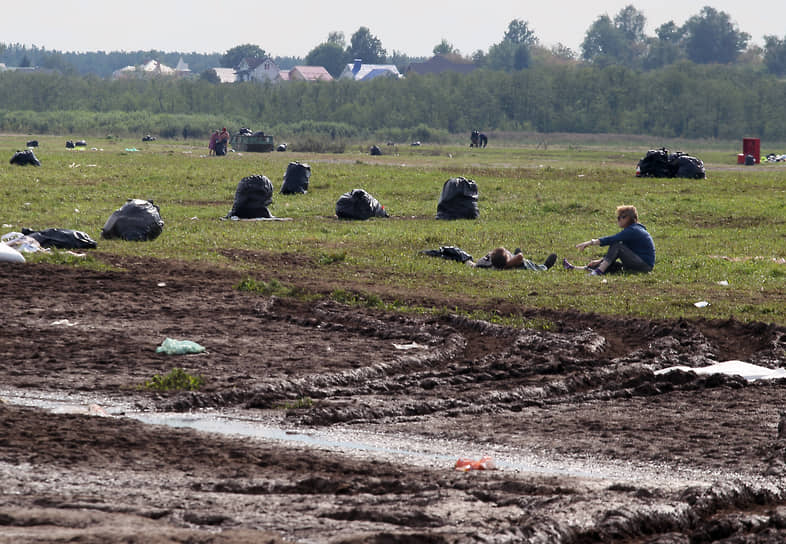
(255, 142)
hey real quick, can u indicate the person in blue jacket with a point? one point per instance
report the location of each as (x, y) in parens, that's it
(630, 250)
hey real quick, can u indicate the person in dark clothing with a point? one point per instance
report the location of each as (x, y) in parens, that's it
(630, 250)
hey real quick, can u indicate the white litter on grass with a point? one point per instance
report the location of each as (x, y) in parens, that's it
(733, 368)
(411, 345)
(63, 322)
(723, 282)
(161, 284)
(701, 304)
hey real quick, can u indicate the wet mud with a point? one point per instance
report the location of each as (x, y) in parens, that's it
(617, 452)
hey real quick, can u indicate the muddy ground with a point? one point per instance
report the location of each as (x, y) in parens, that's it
(591, 445)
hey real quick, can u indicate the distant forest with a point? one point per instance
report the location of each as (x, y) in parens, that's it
(698, 80)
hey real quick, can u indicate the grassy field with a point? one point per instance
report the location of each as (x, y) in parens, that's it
(540, 196)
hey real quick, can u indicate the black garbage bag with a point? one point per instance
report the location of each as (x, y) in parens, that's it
(32, 143)
(282, 147)
(136, 221)
(750, 160)
(358, 204)
(148, 138)
(690, 167)
(23, 158)
(221, 148)
(459, 199)
(252, 197)
(452, 253)
(62, 238)
(296, 178)
(69, 144)
(80, 143)
(656, 163)
(245, 131)
(375, 150)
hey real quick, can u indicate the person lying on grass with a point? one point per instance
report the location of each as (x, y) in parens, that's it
(630, 250)
(502, 259)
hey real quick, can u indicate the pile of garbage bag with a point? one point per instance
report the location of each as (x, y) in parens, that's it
(136, 221)
(659, 163)
(252, 197)
(358, 204)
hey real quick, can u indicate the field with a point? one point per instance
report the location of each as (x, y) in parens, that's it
(379, 366)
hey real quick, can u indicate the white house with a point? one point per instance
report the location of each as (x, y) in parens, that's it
(150, 69)
(366, 72)
(260, 70)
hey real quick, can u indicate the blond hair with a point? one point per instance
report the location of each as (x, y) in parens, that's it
(628, 211)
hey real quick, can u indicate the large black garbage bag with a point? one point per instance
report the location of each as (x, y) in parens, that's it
(32, 143)
(459, 199)
(690, 167)
(451, 253)
(252, 197)
(136, 221)
(62, 238)
(375, 150)
(358, 204)
(296, 178)
(221, 148)
(23, 158)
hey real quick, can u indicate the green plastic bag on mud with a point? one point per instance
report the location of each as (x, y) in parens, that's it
(170, 346)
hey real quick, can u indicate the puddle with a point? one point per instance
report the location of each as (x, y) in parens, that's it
(406, 449)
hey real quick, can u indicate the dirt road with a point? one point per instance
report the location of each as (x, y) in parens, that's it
(591, 445)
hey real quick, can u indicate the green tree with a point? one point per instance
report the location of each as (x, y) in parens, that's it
(666, 47)
(330, 55)
(630, 22)
(337, 38)
(365, 46)
(234, 56)
(775, 55)
(210, 76)
(445, 48)
(519, 32)
(604, 43)
(712, 37)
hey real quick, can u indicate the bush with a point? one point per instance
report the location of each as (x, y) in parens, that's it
(177, 379)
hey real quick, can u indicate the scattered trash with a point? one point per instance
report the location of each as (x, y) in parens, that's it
(484, 463)
(411, 345)
(61, 238)
(161, 284)
(131, 149)
(732, 368)
(723, 282)
(170, 346)
(62, 323)
(96, 410)
(10, 255)
(701, 304)
(22, 243)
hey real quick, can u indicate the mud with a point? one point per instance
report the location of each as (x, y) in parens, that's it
(615, 452)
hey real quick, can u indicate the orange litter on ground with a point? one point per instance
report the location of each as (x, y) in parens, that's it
(484, 463)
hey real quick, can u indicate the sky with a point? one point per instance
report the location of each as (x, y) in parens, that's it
(294, 27)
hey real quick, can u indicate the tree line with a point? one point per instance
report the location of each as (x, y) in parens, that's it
(708, 37)
(684, 99)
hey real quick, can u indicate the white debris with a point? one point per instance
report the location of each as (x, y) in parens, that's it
(733, 368)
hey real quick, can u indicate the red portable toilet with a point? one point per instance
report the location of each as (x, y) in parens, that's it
(752, 146)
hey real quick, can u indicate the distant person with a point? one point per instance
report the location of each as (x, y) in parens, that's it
(630, 250)
(502, 259)
(222, 142)
(212, 145)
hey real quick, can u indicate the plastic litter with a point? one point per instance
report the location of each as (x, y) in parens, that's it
(701, 304)
(484, 463)
(732, 368)
(358, 204)
(452, 253)
(296, 178)
(10, 255)
(170, 346)
(61, 238)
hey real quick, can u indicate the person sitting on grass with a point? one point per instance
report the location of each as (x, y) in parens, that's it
(630, 250)
(502, 259)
